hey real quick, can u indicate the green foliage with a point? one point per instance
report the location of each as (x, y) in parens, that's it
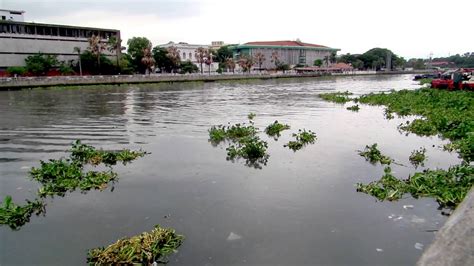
(373, 155)
(162, 59)
(318, 62)
(188, 67)
(283, 67)
(144, 249)
(136, 46)
(40, 64)
(232, 133)
(354, 108)
(448, 187)
(373, 59)
(65, 69)
(90, 64)
(275, 128)
(425, 81)
(418, 157)
(448, 113)
(252, 149)
(223, 53)
(15, 216)
(251, 116)
(303, 138)
(217, 133)
(20, 71)
(337, 97)
(85, 154)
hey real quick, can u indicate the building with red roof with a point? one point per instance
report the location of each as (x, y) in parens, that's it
(291, 53)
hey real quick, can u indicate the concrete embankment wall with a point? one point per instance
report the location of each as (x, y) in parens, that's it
(454, 242)
(32, 82)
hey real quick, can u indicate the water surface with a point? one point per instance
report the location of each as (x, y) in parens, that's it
(301, 208)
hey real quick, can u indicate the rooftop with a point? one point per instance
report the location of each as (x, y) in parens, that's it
(14, 11)
(286, 43)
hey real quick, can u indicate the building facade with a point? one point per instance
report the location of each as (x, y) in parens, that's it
(187, 52)
(18, 40)
(292, 53)
(12, 15)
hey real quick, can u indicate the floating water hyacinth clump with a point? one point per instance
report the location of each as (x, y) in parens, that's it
(373, 155)
(15, 216)
(418, 157)
(275, 128)
(336, 97)
(145, 249)
(303, 138)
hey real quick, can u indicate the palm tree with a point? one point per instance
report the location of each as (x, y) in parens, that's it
(259, 59)
(275, 59)
(246, 62)
(174, 56)
(230, 63)
(147, 60)
(208, 60)
(326, 60)
(78, 51)
(201, 54)
(114, 45)
(96, 47)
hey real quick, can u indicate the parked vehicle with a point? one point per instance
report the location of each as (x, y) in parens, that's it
(455, 80)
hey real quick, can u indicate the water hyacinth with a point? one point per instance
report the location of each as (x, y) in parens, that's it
(373, 155)
(145, 249)
(15, 216)
(336, 97)
(303, 138)
(275, 129)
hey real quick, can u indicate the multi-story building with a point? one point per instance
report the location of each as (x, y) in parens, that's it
(13, 15)
(19, 39)
(187, 52)
(289, 52)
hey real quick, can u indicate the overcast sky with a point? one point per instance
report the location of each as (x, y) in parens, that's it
(410, 28)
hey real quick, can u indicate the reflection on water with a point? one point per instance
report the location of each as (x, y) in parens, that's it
(302, 208)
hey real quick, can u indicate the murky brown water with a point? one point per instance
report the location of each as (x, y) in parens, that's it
(302, 208)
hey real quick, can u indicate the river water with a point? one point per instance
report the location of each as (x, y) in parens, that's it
(301, 208)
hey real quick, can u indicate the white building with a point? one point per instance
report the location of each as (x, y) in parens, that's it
(187, 52)
(19, 39)
(12, 15)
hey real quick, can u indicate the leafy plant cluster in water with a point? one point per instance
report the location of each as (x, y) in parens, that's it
(418, 157)
(146, 249)
(303, 138)
(373, 155)
(60, 176)
(275, 129)
(15, 215)
(354, 108)
(448, 187)
(448, 113)
(336, 97)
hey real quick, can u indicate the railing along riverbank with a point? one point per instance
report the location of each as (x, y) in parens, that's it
(12, 83)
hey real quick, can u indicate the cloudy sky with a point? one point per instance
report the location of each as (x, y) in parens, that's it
(410, 28)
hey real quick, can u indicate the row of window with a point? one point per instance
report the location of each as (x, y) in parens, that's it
(52, 31)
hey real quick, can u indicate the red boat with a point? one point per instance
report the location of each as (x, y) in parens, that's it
(461, 79)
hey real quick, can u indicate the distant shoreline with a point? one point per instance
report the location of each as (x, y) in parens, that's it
(7, 84)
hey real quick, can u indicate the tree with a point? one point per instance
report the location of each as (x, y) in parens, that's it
(259, 59)
(223, 53)
(174, 57)
(65, 69)
(246, 62)
(147, 60)
(318, 62)
(275, 59)
(17, 70)
(90, 64)
(40, 64)
(230, 64)
(136, 45)
(188, 67)
(208, 60)
(114, 45)
(326, 60)
(200, 54)
(96, 47)
(78, 51)
(163, 62)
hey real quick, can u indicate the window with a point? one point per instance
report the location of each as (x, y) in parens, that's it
(184, 56)
(190, 56)
(4, 17)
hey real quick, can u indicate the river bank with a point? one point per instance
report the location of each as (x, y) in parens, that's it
(41, 82)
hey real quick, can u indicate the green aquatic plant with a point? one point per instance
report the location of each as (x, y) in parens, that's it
(388, 114)
(448, 187)
(217, 133)
(87, 154)
(336, 97)
(418, 157)
(15, 216)
(354, 108)
(60, 176)
(425, 81)
(251, 116)
(145, 249)
(275, 128)
(448, 113)
(252, 149)
(303, 138)
(235, 132)
(373, 155)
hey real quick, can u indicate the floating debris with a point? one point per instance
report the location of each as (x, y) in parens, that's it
(146, 248)
(379, 250)
(406, 207)
(419, 246)
(233, 236)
